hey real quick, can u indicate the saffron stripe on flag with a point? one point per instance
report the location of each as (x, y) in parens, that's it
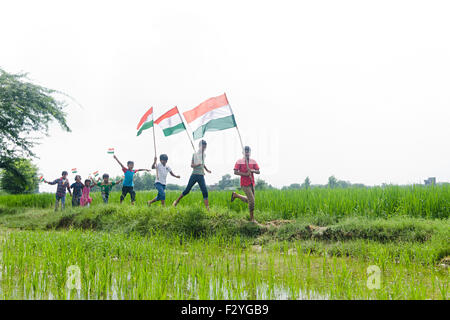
(205, 107)
(166, 115)
(144, 118)
(217, 113)
(171, 122)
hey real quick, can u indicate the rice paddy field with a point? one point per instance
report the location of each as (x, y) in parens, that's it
(378, 243)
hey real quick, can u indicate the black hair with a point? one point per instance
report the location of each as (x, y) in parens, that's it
(163, 157)
(105, 175)
(64, 173)
(130, 162)
(87, 180)
(203, 143)
(247, 149)
(77, 176)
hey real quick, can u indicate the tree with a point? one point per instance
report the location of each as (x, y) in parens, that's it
(145, 181)
(25, 108)
(28, 182)
(332, 182)
(226, 183)
(262, 185)
(307, 183)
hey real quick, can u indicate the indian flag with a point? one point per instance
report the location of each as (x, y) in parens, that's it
(111, 150)
(146, 121)
(213, 114)
(171, 122)
(41, 178)
(74, 170)
(95, 173)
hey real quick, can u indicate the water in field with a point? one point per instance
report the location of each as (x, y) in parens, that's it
(34, 265)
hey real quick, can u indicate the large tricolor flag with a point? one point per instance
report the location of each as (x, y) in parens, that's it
(146, 121)
(211, 115)
(171, 122)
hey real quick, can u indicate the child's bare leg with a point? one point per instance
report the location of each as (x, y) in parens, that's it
(152, 201)
(175, 203)
(163, 203)
(206, 201)
(56, 205)
(243, 198)
(252, 218)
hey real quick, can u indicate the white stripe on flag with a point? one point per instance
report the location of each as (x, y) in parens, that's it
(221, 112)
(170, 122)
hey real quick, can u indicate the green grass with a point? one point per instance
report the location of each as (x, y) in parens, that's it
(308, 244)
(384, 202)
(34, 265)
(423, 240)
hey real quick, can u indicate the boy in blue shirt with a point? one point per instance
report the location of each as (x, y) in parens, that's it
(128, 185)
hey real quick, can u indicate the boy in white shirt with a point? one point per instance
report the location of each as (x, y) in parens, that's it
(160, 183)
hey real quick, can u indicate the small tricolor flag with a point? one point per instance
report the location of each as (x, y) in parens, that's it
(74, 170)
(41, 178)
(213, 114)
(95, 173)
(146, 121)
(171, 122)
(111, 150)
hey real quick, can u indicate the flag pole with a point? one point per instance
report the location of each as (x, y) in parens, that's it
(185, 126)
(154, 139)
(239, 134)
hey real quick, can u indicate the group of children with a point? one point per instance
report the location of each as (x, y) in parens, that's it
(245, 168)
(80, 195)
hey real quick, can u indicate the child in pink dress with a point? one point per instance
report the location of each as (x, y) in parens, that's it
(86, 200)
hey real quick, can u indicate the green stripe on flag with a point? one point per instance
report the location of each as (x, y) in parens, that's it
(145, 126)
(172, 130)
(214, 125)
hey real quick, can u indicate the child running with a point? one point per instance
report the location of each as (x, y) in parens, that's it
(77, 187)
(128, 185)
(245, 168)
(106, 187)
(198, 175)
(160, 183)
(85, 199)
(62, 186)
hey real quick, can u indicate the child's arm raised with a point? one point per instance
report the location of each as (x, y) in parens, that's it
(138, 170)
(123, 167)
(154, 163)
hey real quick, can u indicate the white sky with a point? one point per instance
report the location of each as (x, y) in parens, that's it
(358, 89)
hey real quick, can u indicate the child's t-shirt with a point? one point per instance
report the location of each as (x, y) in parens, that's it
(241, 166)
(77, 189)
(62, 185)
(106, 188)
(162, 173)
(129, 174)
(199, 158)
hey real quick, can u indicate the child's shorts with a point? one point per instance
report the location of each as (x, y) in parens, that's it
(105, 197)
(161, 191)
(125, 191)
(76, 201)
(62, 198)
